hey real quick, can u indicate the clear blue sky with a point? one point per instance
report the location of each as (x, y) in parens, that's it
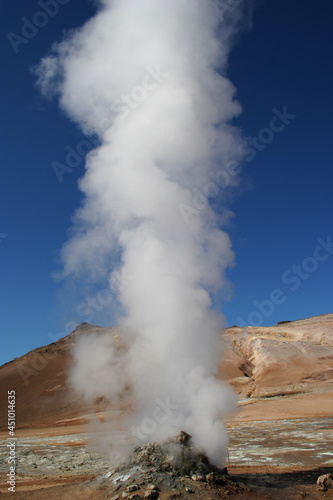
(284, 207)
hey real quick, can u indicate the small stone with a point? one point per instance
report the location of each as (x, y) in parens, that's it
(183, 437)
(200, 478)
(189, 490)
(132, 487)
(215, 478)
(151, 495)
(152, 487)
(325, 481)
(210, 478)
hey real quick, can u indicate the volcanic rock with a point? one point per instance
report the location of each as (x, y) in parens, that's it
(174, 457)
(324, 482)
(183, 437)
(132, 487)
(151, 495)
(172, 465)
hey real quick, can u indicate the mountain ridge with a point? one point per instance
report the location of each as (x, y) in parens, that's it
(287, 360)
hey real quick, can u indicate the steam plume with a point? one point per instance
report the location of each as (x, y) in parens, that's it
(143, 76)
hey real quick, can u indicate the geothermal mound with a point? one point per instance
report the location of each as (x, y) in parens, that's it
(169, 470)
(176, 457)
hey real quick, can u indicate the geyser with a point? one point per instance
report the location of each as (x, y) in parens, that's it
(147, 76)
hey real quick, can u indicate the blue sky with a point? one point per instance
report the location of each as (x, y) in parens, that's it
(281, 232)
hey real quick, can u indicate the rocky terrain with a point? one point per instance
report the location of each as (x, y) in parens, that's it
(281, 370)
(280, 436)
(289, 358)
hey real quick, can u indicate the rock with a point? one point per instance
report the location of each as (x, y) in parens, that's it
(215, 478)
(132, 487)
(183, 437)
(151, 495)
(152, 487)
(189, 490)
(324, 482)
(198, 477)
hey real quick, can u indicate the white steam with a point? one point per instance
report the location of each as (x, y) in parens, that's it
(142, 74)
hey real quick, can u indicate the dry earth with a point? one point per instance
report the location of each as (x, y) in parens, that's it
(280, 437)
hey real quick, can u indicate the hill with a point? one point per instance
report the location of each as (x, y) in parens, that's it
(280, 370)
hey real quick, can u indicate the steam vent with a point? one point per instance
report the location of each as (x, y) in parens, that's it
(170, 470)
